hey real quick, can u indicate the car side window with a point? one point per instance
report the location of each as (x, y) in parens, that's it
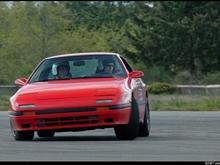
(128, 67)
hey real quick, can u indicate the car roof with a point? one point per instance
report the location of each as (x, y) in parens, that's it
(82, 54)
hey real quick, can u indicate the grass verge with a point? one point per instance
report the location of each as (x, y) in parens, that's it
(177, 102)
(4, 102)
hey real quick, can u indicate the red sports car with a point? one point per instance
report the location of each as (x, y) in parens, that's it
(81, 91)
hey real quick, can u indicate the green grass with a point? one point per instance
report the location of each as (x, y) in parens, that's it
(4, 102)
(184, 103)
(4, 99)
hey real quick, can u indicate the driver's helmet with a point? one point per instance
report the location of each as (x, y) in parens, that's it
(56, 67)
(63, 65)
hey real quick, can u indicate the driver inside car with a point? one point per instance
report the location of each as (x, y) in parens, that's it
(108, 67)
(63, 72)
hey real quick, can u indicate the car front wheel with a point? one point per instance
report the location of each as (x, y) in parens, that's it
(22, 135)
(129, 131)
(145, 126)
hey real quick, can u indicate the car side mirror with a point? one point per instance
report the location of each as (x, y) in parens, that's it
(136, 74)
(20, 82)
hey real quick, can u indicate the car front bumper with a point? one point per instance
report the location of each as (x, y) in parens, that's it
(70, 118)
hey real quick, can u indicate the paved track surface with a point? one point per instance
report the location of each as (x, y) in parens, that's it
(175, 136)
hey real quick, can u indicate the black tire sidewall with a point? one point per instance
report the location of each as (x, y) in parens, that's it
(145, 126)
(131, 130)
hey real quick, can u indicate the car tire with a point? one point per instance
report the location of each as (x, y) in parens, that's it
(22, 135)
(45, 133)
(144, 129)
(129, 131)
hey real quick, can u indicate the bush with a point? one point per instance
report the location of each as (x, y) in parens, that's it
(161, 87)
(154, 73)
(212, 78)
(183, 77)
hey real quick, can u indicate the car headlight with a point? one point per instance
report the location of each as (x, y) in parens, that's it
(26, 106)
(103, 101)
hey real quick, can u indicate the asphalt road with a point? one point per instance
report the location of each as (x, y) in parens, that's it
(175, 136)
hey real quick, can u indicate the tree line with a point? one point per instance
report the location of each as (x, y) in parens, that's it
(165, 39)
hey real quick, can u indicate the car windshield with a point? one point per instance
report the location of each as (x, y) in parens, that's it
(75, 67)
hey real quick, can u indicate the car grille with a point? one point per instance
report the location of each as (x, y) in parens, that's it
(61, 121)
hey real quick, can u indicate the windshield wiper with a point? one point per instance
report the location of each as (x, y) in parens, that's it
(42, 80)
(99, 76)
(112, 76)
(51, 80)
(93, 77)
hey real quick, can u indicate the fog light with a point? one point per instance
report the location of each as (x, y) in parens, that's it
(102, 108)
(26, 125)
(28, 113)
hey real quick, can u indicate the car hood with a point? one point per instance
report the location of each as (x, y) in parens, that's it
(86, 91)
(72, 88)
